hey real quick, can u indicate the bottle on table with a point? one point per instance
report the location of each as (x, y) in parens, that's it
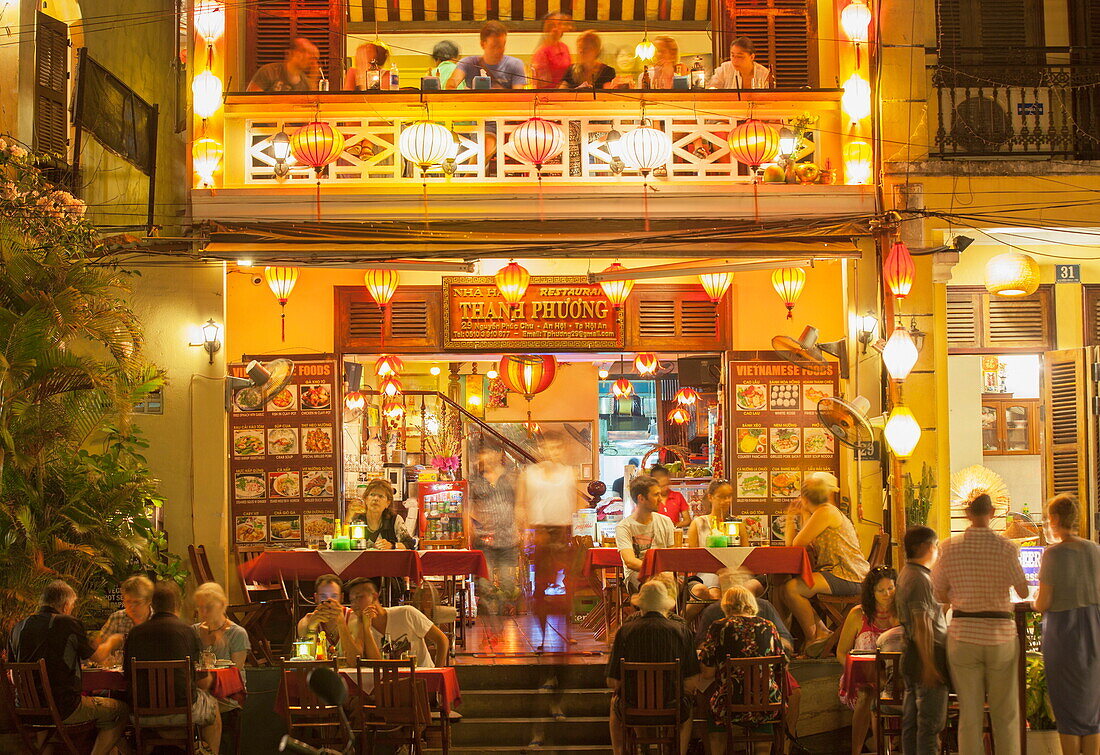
(395, 81)
(698, 75)
(647, 81)
(322, 646)
(374, 76)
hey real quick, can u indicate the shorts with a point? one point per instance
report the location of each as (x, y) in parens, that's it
(103, 711)
(708, 580)
(203, 713)
(840, 587)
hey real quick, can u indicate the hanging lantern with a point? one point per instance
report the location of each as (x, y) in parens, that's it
(900, 353)
(536, 141)
(687, 397)
(354, 401)
(754, 143)
(617, 292)
(679, 415)
(206, 157)
(1012, 274)
(512, 280)
(898, 270)
(902, 431)
(645, 50)
(388, 365)
(393, 411)
(281, 281)
(529, 375)
(206, 93)
(856, 99)
(425, 143)
(856, 21)
(857, 163)
(604, 373)
(390, 386)
(381, 285)
(209, 20)
(316, 144)
(646, 364)
(716, 285)
(788, 283)
(622, 388)
(645, 148)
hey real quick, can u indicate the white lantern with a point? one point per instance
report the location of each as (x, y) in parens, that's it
(206, 90)
(856, 99)
(425, 143)
(1011, 275)
(645, 148)
(645, 51)
(900, 354)
(209, 20)
(902, 431)
(206, 156)
(856, 20)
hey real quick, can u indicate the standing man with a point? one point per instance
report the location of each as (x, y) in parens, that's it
(645, 528)
(974, 574)
(297, 72)
(674, 505)
(923, 655)
(493, 512)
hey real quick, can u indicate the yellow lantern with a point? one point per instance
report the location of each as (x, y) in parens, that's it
(687, 397)
(617, 292)
(857, 162)
(902, 431)
(754, 143)
(316, 144)
(512, 281)
(206, 157)
(856, 99)
(622, 388)
(679, 415)
(900, 353)
(388, 365)
(390, 386)
(646, 364)
(716, 285)
(788, 283)
(281, 281)
(381, 285)
(1012, 274)
(206, 92)
(209, 20)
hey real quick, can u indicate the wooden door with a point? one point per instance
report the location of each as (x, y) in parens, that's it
(1070, 428)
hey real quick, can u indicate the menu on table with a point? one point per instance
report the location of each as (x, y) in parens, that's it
(775, 439)
(283, 458)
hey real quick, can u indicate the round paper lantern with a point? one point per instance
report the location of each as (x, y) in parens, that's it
(425, 144)
(316, 144)
(617, 292)
(902, 431)
(645, 148)
(900, 353)
(622, 388)
(898, 270)
(528, 374)
(206, 92)
(687, 397)
(788, 283)
(206, 156)
(1012, 274)
(856, 99)
(679, 415)
(281, 281)
(716, 285)
(536, 141)
(209, 20)
(754, 143)
(512, 281)
(381, 285)
(387, 365)
(646, 364)
(856, 20)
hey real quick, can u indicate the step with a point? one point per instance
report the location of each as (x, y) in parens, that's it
(490, 675)
(518, 732)
(509, 703)
(543, 750)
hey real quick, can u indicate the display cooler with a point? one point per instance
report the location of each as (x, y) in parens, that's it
(444, 515)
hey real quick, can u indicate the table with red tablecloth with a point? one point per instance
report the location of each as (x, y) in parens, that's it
(859, 672)
(601, 558)
(228, 682)
(759, 560)
(441, 683)
(306, 564)
(453, 563)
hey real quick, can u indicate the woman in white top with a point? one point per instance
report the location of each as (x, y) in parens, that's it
(741, 71)
(719, 495)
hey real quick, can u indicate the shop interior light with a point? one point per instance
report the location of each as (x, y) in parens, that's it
(1012, 274)
(856, 100)
(900, 354)
(388, 365)
(393, 410)
(902, 431)
(206, 91)
(644, 50)
(355, 401)
(646, 363)
(474, 399)
(492, 374)
(434, 370)
(622, 388)
(244, 262)
(604, 373)
(788, 140)
(679, 415)
(616, 291)
(390, 386)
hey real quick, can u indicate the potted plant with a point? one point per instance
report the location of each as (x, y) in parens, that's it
(1041, 736)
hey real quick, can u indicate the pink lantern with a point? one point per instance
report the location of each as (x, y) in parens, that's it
(536, 141)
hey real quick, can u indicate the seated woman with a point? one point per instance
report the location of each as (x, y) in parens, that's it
(742, 634)
(445, 55)
(227, 640)
(840, 567)
(868, 621)
(385, 529)
(588, 72)
(365, 54)
(719, 495)
(741, 71)
(666, 64)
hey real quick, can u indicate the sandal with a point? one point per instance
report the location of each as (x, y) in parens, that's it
(815, 648)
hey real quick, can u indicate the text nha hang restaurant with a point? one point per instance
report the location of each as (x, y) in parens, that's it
(400, 370)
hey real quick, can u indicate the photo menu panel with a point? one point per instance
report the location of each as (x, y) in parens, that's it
(283, 458)
(775, 439)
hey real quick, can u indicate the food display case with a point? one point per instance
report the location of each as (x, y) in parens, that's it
(444, 518)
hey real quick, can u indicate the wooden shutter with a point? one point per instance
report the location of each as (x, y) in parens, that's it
(273, 23)
(413, 324)
(51, 84)
(1069, 428)
(988, 32)
(978, 322)
(783, 32)
(674, 318)
(1091, 295)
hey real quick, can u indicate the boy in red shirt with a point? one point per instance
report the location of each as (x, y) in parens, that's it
(675, 506)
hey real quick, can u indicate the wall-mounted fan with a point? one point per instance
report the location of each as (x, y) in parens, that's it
(848, 422)
(265, 381)
(808, 354)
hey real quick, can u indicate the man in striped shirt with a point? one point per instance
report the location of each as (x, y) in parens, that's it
(974, 574)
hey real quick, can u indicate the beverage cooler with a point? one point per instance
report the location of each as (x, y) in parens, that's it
(444, 514)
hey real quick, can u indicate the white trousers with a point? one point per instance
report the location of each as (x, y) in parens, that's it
(986, 674)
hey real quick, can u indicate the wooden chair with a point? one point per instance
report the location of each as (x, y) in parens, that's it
(880, 549)
(649, 695)
(756, 679)
(891, 697)
(834, 609)
(271, 599)
(397, 711)
(949, 737)
(307, 717)
(154, 692)
(200, 564)
(26, 692)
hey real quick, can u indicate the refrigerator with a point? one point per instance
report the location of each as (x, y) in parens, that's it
(444, 513)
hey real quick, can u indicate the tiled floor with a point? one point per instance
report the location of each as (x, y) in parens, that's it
(518, 638)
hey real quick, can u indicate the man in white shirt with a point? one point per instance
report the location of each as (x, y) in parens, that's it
(741, 71)
(394, 632)
(644, 529)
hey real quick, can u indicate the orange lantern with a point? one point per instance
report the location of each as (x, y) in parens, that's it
(622, 388)
(381, 285)
(388, 365)
(316, 144)
(646, 364)
(354, 401)
(617, 292)
(527, 374)
(393, 411)
(679, 415)
(281, 281)
(754, 143)
(788, 283)
(512, 281)
(716, 285)
(390, 386)
(898, 270)
(687, 396)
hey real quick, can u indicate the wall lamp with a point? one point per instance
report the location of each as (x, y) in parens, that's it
(868, 327)
(210, 341)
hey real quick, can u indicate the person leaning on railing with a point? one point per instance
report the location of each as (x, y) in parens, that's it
(741, 71)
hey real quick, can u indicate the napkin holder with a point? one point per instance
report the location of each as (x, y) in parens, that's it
(305, 649)
(482, 82)
(430, 84)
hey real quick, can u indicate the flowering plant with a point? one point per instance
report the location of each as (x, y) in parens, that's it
(445, 463)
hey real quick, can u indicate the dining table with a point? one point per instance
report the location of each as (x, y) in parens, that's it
(764, 559)
(228, 682)
(441, 683)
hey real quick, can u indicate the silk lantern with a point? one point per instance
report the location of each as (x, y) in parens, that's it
(900, 353)
(381, 285)
(902, 431)
(645, 148)
(856, 100)
(646, 364)
(536, 141)
(754, 143)
(387, 365)
(898, 270)
(617, 292)
(1012, 274)
(687, 397)
(281, 281)
(788, 283)
(528, 375)
(512, 281)
(716, 285)
(206, 157)
(425, 143)
(206, 92)
(857, 162)
(209, 20)
(855, 19)
(316, 144)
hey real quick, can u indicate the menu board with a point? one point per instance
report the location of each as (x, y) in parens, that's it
(775, 439)
(283, 454)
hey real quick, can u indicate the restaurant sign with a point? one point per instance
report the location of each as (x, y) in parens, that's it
(557, 312)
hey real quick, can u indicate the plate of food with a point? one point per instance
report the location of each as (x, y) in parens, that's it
(282, 440)
(751, 396)
(285, 527)
(318, 396)
(784, 396)
(752, 440)
(786, 440)
(785, 484)
(284, 484)
(779, 528)
(812, 393)
(249, 486)
(817, 440)
(317, 484)
(752, 485)
(283, 401)
(756, 527)
(248, 442)
(249, 399)
(316, 526)
(317, 440)
(250, 529)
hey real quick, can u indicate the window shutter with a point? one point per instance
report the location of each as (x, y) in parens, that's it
(964, 325)
(1092, 315)
(51, 81)
(782, 31)
(978, 322)
(1066, 460)
(673, 318)
(413, 320)
(273, 23)
(988, 32)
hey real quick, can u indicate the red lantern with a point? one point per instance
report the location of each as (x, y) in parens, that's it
(898, 270)
(622, 388)
(512, 280)
(388, 365)
(679, 415)
(687, 396)
(381, 285)
(528, 374)
(617, 292)
(316, 144)
(754, 143)
(646, 364)
(537, 141)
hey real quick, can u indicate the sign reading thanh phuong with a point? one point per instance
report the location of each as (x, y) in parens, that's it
(557, 312)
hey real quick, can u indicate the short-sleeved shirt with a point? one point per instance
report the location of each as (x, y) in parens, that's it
(273, 78)
(653, 638)
(164, 638)
(62, 641)
(1072, 571)
(630, 534)
(764, 609)
(912, 598)
(507, 74)
(120, 622)
(976, 571)
(674, 506)
(603, 76)
(406, 628)
(739, 637)
(233, 640)
(549, 64)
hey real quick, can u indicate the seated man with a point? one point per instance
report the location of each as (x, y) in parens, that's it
(504, 71)
(165, 638)
(395, 632)
(643, 529)
(53, 634)
(653, 638)
(297, 72)
(741, 71)
(137, 592)
(331, 617)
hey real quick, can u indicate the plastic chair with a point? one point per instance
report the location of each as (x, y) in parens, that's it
(650, 697)
(756, 675)
(153, 692)
(27, 694)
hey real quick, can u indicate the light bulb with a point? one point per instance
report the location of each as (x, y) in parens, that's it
(492, 374)
(434, 371)
(604, 374)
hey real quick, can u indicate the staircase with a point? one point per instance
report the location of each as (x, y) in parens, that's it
(506, 710)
